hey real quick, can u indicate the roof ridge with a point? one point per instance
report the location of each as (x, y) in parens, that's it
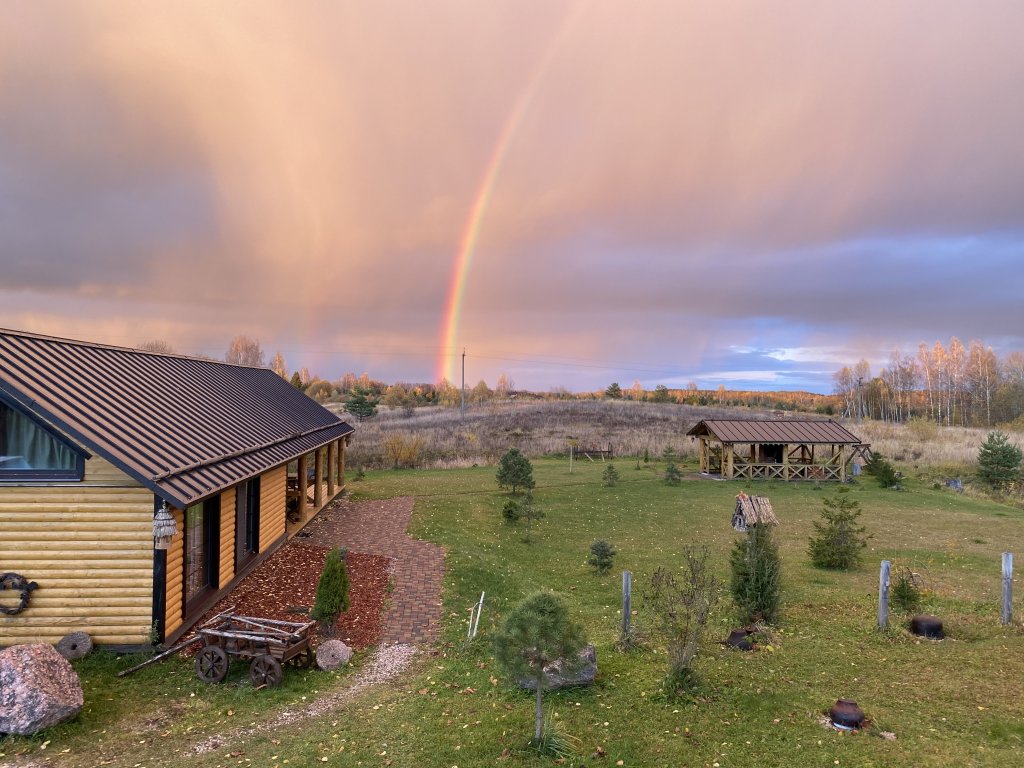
(121, 348)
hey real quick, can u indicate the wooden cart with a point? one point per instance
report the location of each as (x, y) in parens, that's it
(267, 642)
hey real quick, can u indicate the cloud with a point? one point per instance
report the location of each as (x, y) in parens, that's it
(806, 181)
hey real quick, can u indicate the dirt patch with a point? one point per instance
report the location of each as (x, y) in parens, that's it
(284, 587)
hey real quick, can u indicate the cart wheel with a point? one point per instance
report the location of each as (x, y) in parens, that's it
(211, 664)
(265, 670)
(302, 660)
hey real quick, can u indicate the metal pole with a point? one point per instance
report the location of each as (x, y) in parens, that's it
(479, 610)
(883, 595)
(463, 406)
(1007, 587)
(570, 458)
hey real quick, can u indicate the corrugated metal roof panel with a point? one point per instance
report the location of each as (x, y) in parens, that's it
(184, 426)
(791, 431)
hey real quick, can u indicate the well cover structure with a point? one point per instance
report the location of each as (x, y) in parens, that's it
(786, 449)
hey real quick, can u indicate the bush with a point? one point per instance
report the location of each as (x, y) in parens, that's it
(403, 450)
(610, 476)
(756, 571)
(331, 590)
(672, 474)
(884, 472)
(839, 539)
(999, 460)
(511, 511)
(906, 591)
(679, 608)
(602, 556)
(515, 471)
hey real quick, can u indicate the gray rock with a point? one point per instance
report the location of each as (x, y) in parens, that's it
(583, 673)
(38, 689)
(331, 654)
(74, 646)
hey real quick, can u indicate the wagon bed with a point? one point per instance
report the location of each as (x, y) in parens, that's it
(269, 644)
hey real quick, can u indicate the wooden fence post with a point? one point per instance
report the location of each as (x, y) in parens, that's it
(883, 595)
(1007, 587)
(627, 598)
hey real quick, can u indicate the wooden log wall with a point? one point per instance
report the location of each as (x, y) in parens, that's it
(89, 546)
(173, 614)
(227, 537)
(272, 506)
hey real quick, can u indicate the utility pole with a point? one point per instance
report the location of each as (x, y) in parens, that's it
(463, 406)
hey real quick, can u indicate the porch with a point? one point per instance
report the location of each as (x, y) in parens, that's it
(314, 479)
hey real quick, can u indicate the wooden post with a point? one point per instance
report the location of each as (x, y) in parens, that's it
(842, 465)
(627, 601)
(341, 462)
(1007, 587)
(303, 484)
(331, 464)
(570, 458)
(318, 478)
(883, 595)
(785, 461)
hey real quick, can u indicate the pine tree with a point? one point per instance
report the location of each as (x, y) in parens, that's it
(756, 569)
(672, 474)
(610, 476)
(537, 632)
(999, 460)
(839, 539)
(515, 471)
(361, 403)
(602, 556)
(331, 591)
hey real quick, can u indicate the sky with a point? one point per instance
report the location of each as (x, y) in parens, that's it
(741, 193)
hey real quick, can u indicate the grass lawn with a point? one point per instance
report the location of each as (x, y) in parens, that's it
(956, 702)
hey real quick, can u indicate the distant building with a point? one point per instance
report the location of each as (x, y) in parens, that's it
(791, 449)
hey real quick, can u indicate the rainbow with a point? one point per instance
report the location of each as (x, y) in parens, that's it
(450, 322)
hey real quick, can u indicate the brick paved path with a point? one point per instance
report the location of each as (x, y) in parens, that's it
(378, 527)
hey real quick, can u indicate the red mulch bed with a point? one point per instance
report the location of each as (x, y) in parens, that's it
(284, 588)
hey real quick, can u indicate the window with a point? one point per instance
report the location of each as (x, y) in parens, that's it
(247, 520)
(30, 451)
(202, 524)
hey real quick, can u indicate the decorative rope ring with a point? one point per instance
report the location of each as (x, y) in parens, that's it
(15, 582)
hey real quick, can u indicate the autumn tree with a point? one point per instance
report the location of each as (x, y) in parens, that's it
(504, 386)
(157, 346)
(277, 365)
(245, 351)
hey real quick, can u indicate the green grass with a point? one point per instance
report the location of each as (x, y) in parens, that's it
(958, 702)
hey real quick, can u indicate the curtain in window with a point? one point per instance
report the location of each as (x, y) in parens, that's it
(26, 446)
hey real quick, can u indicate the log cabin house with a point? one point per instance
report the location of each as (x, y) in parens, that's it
(136, 489)
(789, 449)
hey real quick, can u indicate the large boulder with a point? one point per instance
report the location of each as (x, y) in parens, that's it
(332, 654)
(584, 672)
(38, 689)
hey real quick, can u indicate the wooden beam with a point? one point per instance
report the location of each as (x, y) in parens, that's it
(303, 484)
(331, 464)
(318, 478)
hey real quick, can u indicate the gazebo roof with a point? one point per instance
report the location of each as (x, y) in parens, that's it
(788, 431)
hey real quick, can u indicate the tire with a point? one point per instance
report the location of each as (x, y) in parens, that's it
(265, 670)
(211, 664)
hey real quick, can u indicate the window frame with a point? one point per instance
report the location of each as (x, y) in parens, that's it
(247, 520)
(74, 474)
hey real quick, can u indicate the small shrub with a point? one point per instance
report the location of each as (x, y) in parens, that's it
(884, 472)
(839, 539)
(360, 474)
(331, 591)
(403, 450)
(511, 511)
(756, 570)
(602, 556)
(610, 476)
(906, 590)
(679, 608)
(668, 453)
(530, 512)
(672, 474)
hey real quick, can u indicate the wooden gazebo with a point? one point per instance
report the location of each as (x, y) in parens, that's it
(789, 449)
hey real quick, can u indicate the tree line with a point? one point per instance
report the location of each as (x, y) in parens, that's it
(952, 385)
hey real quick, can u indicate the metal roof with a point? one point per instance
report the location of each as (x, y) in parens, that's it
(791, 431)
(183, 426)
